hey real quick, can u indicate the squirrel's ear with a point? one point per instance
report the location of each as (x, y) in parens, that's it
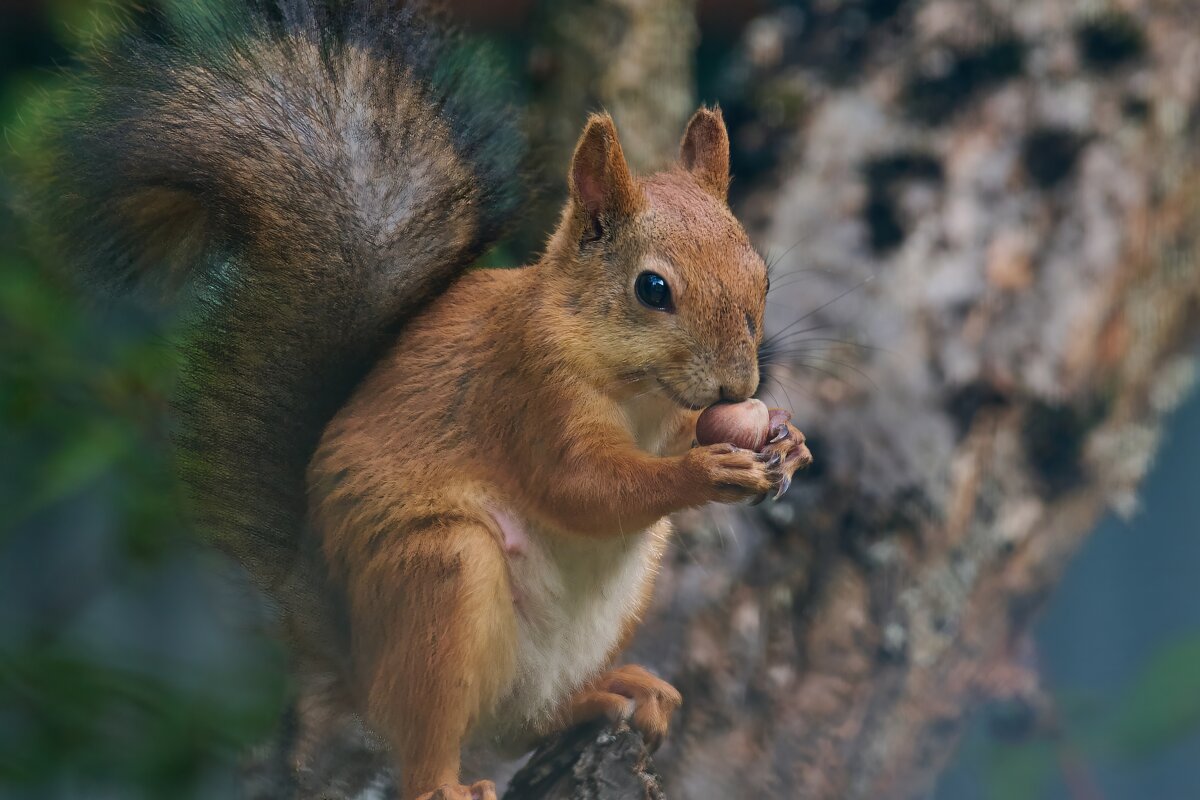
(600, 179)
(704, 151)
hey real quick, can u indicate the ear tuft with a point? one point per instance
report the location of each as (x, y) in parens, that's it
(704, 151)
(600, 179)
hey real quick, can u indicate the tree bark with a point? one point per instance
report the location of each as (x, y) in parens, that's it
(592, 762)
(632, 58)
(992, 210)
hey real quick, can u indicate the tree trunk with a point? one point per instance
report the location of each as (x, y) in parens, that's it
(982, 223)
(632, 58)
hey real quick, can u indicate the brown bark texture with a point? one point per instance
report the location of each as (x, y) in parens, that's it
(632, 58)
(592, 762)
(982, 220)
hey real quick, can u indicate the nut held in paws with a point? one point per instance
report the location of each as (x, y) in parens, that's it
(742, 424)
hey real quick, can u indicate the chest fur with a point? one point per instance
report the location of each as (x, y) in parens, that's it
(574, 597)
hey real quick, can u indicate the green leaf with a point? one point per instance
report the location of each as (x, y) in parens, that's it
(1162, 705)
(1019, 771)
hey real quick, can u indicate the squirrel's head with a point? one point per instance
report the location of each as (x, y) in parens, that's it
(660, 276)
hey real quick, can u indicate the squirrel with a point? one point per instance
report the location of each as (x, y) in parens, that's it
(453, 483)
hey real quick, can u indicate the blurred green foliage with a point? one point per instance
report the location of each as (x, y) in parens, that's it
(1161, 706)
(131, 660)
(96, 561)
(1157, 710)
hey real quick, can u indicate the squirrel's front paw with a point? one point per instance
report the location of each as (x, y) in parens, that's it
(784, 441)
(727, 474)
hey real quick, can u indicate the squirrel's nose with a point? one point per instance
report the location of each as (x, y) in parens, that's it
(739, 383)
(736, 394)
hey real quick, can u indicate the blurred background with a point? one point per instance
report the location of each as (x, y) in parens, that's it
(980, 221)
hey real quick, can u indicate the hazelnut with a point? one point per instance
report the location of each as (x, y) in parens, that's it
(744, 424)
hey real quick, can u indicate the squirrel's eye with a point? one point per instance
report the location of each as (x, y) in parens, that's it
(652, 290)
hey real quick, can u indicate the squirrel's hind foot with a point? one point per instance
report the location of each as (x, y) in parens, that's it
(631, 693)
(480, 790)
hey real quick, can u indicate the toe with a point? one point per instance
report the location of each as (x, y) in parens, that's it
(651, 721)
(483, 790)
(601, 704)
(778, 417)
(653, 699)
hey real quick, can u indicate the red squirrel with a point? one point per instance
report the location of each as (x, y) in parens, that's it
(452, 484)
(492, 497)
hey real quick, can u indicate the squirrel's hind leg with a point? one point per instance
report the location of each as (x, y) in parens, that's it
(435, 645)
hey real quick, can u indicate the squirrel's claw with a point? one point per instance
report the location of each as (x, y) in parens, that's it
(778, 416)
(784, 485)
(788, 449)
(772, 458)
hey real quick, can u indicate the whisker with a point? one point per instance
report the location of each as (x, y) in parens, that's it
(849, 343)
(826, 304)
(801, 358)
(828, 373)
(793, 276)
(783, 388)
(803, 392)
(845, 365)
(765, 390)
(784, 336)
(787, 381)
(774, 261)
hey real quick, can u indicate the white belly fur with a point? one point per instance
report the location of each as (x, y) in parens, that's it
(572, 595)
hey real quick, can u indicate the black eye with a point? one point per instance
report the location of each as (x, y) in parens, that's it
(652, 289)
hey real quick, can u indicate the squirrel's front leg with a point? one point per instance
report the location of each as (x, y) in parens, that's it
(618, 489)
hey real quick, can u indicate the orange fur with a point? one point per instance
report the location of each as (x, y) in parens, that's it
(542, 413)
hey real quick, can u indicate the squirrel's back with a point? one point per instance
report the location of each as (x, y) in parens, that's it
(301, 176)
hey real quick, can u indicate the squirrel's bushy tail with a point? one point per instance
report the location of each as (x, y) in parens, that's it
(302, 175)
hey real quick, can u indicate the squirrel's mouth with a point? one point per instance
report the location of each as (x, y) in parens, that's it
(678, 398)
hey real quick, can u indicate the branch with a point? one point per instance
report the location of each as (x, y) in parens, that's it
(591, 762)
